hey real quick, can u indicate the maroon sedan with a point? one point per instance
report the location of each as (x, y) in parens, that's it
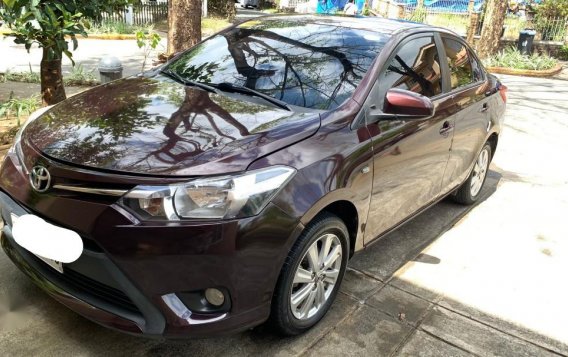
(232, 185)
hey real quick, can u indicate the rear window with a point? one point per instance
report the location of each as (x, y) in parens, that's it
(462, 70)
(312, 64)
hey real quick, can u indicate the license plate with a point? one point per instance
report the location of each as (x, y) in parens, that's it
(52, 263)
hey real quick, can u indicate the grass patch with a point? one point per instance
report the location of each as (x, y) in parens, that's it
(210, 25)
(24, 77)
(455, 22)
(18, 107)
(511, 58)
(116, 27)
(271, 11)
(78, 77)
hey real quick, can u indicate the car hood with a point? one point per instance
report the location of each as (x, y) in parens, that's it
(155, 126)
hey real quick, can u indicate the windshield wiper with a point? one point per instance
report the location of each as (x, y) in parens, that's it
(230, 87)
(188, 82)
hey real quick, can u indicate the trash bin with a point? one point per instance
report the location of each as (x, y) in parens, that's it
(525, 44)
(110, 69)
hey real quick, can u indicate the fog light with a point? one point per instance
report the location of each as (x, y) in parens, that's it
(214, 296)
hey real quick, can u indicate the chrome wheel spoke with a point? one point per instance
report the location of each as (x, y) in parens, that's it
(301, 295)
(320, 296)
(332, 257)
(309, 303)
(325, 247)
(313, 258)
(303, 276)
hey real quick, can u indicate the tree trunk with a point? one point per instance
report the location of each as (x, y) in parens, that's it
(184, 20)
(492, 28)
(51, 75)
(222, 8)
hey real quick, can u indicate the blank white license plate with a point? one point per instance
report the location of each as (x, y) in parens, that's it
(44, 240)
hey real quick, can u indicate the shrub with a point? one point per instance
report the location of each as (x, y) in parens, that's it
(511, 58)
(550, 19)
(80, 77)
(19, 106)
(563, 53)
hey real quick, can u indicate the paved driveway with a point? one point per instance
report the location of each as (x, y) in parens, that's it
(455, 281)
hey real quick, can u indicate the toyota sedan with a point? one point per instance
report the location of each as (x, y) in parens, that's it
(231, 186)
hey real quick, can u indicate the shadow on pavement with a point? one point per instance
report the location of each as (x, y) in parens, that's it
(376, 313)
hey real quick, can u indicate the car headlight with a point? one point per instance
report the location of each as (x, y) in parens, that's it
(226, 197)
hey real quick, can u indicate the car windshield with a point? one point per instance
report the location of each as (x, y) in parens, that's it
(314, 64)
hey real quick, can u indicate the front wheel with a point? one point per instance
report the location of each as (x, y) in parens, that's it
(470, 191)
(310, 278)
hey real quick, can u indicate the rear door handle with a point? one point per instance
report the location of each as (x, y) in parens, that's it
(447, 128)
(484, 108)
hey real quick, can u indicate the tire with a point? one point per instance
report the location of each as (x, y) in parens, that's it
(470, 191)
(292, 319)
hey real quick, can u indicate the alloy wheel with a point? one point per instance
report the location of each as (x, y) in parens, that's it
(316, 276)
(479, 172)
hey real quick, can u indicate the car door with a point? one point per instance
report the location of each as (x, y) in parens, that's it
(410, 156)
(468, 87)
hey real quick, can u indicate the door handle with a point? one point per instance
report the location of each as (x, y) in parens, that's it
(447, 128)
(484, 108)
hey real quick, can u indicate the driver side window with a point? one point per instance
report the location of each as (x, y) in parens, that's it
(415, 67)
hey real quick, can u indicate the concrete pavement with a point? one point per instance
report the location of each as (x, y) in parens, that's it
(15, 58)
(455, 281)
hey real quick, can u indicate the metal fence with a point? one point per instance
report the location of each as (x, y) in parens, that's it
(465, 20)
(462, 16)
(142, 13)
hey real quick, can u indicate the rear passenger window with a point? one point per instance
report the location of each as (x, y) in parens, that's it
(462, 70)
(415, 67)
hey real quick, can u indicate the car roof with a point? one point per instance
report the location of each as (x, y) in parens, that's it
(374, 24)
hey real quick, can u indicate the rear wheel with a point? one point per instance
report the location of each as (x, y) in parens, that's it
(470, 191)
(310, 278)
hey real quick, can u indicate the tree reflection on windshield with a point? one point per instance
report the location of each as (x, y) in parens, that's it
(310, 64)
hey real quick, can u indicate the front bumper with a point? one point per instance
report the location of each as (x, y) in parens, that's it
(129, 270)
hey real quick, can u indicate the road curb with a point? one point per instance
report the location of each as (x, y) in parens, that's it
(526, 72)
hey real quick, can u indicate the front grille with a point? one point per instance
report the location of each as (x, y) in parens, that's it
(98, 290)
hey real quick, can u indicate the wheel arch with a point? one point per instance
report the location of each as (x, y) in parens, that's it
(493, 140)
(345, 210)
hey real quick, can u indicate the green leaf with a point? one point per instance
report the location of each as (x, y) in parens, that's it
(70, 56)
(75, 42)
(9, 3)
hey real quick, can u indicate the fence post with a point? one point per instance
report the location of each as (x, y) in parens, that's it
(400, 11)
(472, 28)
(203, 8)
(473, 22)
(129, 16)
(387, 9)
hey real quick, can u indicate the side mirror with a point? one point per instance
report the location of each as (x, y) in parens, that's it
(405, 104)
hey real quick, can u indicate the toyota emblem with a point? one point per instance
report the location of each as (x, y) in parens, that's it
(40, 179)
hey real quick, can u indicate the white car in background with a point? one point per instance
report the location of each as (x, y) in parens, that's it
(247, 3)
